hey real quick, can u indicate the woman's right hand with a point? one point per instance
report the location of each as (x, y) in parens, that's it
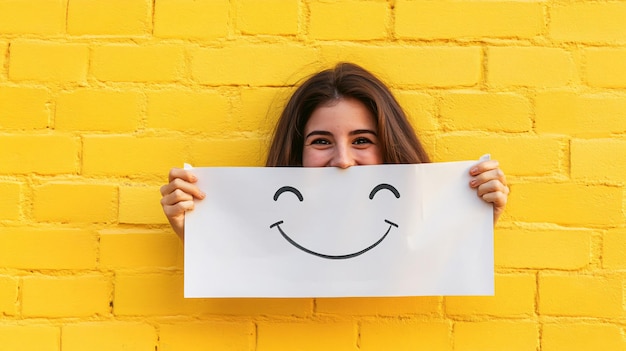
(177, 198)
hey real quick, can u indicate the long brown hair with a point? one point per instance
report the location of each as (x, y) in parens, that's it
(398, 141)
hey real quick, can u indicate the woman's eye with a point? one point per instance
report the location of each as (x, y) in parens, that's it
(359, 141)
(320, 142)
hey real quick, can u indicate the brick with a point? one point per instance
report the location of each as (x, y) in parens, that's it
(30, 248)
(64, 62)
(436, 66)
(420, 109)
(348, 20)
(228, 152)
(476, 19)
(111, 17)
(134, 248)
(495, 336)
(580, 295)
(75, 202)
(564, 249)
(274, 17)
(529, 67)
(566, 203)
(97, 109)
(204, 19)
(131, 63)
(613, 248)
(197, 111)
(207, 335)
(8, 296)
(140, 205)
(514, 297)
(23, 107)
(232, 65)
(166, 298)
(4, 54)
(389, 306)
(605, 68)
(601, 22)
(106, 336)
(517, 154)
(594, 159)
(258, 109)
(498, 112)
(128, 155)
(28, 17)
(396, 334)
(73, 296)
(30, 337)
(580, 114)
(24, 154)
(581, 337)
(306, 336)
(11, 204)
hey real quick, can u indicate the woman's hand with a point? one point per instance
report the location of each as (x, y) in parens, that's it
(177, 198)
(490, 184)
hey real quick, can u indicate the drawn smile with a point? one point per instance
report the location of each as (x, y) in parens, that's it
(333, 257)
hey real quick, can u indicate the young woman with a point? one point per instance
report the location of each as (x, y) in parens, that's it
(339, 117)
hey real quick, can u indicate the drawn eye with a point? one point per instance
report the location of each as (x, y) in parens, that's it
(290, 189)
(384, 186)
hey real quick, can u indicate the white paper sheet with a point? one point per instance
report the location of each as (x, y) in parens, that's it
(386, 230)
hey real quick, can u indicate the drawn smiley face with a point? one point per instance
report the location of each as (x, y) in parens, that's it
(298, 194)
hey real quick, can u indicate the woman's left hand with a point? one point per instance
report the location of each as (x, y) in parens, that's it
(490, 184)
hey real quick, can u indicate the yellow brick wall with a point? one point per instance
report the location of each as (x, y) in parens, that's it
(100, 98)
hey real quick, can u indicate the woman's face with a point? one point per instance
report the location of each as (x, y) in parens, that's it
(341, 133)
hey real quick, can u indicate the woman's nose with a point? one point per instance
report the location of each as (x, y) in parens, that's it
(342, 158)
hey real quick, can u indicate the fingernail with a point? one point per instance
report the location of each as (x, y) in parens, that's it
(473, 183)
(474, 170)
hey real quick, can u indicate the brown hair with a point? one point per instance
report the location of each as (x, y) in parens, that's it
(398, 141)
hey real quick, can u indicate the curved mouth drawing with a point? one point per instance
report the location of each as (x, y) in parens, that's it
(333, 257)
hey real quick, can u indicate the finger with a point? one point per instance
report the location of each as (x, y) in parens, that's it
(484, 166)
(175, 197)
(178, 208)
(487, 176)
(497, 198)
(182, 174)
(492, 186)
(184, 186)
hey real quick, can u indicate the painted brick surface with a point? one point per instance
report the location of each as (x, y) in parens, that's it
(101, 110)
(351, 20)
(476, 19)
(65, 62)
(116, 17)
(45, 296)
(29, 248)
(11, 207)
(529, 66)
(27, 17)
(99, 99)
(191, 19)
(496, 335)
(101, 336)
(37, 337)
(405, 335)
(8, 295)
(277, 17)
(24, 108)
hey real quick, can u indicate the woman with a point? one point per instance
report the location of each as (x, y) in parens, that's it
(339, 117)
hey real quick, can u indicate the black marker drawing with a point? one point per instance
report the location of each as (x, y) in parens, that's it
(335, 257)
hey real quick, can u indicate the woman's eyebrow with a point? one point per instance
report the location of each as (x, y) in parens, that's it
(319, 132)
(363, 131)
(354, 132)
